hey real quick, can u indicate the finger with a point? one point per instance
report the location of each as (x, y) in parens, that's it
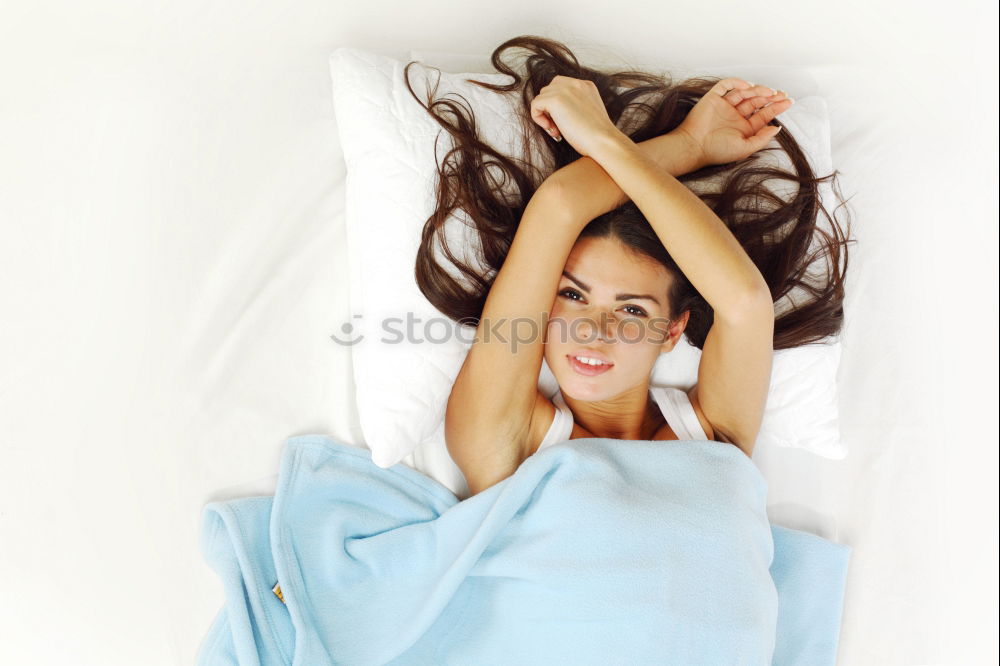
(766, 114)
(749, 105)
(760, 140)
(753, 91)
(723, 87)
(540, 114)
(552, 128)
(749, 91)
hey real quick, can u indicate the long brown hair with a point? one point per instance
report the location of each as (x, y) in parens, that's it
(780, 236)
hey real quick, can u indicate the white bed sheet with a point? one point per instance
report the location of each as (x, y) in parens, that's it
(172, 209)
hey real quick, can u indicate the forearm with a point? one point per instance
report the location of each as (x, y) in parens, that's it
(594, 192)
(508, 348)
(701, 244)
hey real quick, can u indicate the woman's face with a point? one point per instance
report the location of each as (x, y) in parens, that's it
(611, 305)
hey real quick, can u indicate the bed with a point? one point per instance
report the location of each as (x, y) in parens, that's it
(176, 265)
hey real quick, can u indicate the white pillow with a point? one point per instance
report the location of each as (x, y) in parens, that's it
(403, 387)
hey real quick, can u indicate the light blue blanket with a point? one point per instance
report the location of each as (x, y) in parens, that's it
(596, 551)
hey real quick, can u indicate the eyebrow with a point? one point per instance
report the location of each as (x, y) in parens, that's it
(620, 297)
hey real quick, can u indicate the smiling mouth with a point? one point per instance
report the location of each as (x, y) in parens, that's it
(588, 366)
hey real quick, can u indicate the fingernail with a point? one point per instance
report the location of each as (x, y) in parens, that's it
(791, 100)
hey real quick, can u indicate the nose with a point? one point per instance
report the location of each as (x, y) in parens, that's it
(594, 330)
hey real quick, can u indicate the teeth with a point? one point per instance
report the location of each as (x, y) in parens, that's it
(589, 361)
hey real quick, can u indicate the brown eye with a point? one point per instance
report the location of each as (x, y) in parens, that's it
(571, 294)
(639, 312)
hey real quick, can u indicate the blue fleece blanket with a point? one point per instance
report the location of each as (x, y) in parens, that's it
(596, 551)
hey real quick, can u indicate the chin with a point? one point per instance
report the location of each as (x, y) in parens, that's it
(583, 388)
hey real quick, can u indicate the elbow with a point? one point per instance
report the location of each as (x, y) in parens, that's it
(751, 304)
(760, 298)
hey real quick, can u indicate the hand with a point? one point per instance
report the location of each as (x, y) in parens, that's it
(729, 122)
(572, 109)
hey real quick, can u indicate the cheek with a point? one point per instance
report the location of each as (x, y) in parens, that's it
(639, 342)
(640, 351)
(632, 333)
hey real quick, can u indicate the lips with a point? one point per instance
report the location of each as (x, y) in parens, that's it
(589, 369)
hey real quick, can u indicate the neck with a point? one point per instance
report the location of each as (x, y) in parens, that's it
(631, 414)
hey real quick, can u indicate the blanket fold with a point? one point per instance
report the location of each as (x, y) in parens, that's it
(594, 551)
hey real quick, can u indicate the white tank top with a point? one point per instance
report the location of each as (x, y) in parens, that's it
(673, 402)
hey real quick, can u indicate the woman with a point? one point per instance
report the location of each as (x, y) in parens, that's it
(613, 258)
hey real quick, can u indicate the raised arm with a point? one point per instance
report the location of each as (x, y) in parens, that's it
(489, 410)
(700, 243)
(729, 122)
(735, 367)
(593, 192)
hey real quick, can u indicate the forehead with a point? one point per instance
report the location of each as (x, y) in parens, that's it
(607, 263)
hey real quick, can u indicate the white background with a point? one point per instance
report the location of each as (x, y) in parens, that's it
(169, 189)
